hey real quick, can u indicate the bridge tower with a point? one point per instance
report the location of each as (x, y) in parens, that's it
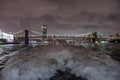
(44, 31)
(26, 37)
(94, 39)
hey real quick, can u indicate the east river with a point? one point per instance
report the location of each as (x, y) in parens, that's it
(80, 62)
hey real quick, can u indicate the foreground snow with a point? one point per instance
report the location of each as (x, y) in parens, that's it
(42, 62)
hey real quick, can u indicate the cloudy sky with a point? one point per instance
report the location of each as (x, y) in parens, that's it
(61, 16)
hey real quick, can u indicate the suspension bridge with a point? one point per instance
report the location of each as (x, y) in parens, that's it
(39, 36)
(29, 36)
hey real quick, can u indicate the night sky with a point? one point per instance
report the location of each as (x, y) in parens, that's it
(61, 16)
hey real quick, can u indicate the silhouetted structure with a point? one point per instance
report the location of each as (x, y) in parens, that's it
(3, 41)
(26, 37)
(94, 39)
(116, 39)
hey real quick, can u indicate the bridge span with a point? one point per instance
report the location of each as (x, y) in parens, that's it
(31, 36)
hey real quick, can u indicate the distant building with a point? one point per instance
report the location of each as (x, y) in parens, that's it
(5, 37)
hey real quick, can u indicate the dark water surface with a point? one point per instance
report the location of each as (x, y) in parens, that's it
(94, 62)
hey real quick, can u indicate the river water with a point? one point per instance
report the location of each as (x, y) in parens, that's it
(41, 63)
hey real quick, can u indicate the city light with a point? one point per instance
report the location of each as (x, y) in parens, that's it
(8, 37)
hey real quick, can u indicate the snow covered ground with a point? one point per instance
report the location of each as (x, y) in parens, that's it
(42, 62)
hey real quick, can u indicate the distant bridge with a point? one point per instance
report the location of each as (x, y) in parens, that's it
(91, 37)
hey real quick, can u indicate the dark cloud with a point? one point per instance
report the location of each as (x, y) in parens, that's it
(61, 16)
